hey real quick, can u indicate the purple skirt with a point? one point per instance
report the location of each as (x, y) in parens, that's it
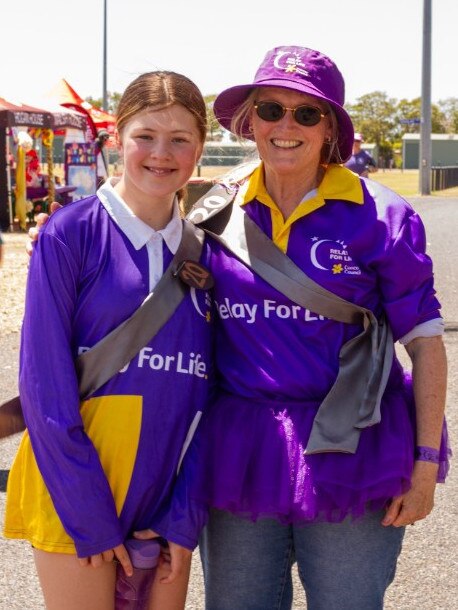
(250, 459)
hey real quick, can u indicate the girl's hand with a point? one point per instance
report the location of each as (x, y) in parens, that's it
(146, 534)
(118, 552)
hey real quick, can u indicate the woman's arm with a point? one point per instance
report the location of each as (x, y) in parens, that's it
(429, 372)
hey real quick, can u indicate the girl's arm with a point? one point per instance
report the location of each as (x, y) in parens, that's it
(66, 457)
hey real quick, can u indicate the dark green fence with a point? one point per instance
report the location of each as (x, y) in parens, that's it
(444, 177)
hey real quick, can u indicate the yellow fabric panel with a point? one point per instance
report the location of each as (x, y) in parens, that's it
(113, 423)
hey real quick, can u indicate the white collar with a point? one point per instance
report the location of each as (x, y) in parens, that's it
(137, 231)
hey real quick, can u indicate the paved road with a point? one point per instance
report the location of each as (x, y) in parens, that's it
(427, 577)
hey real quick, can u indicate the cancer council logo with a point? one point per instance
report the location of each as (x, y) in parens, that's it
(202, 303)
(332, 255)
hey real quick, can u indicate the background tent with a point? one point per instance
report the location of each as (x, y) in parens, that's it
(101, 124)
(64, 94)
(14, 115)
(102, 120)
(44, 121)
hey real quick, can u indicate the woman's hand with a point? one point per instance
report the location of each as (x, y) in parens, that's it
(42, 219)
(429, 373)
(179, 561)
(118, 552)
(418, 502)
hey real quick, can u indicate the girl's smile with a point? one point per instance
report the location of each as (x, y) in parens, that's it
(160, 150)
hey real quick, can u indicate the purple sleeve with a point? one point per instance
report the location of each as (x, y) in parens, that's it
(66, 457)
(406, 279)
(185, 517)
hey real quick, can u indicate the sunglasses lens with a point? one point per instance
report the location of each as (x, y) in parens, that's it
(274, 111)
(307, 115)
(270, 111)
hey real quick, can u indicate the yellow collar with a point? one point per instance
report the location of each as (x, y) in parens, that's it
(338, 183)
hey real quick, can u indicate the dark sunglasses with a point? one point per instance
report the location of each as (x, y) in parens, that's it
(274, 111)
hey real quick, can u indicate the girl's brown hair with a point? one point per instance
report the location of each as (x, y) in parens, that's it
(158, 90)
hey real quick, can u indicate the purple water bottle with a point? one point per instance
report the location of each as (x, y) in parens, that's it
(132, 592)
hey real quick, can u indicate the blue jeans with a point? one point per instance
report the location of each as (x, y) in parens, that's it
(345, 566)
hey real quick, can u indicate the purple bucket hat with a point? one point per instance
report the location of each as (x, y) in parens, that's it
(299, 69)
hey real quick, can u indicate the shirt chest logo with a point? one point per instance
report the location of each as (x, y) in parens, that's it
(332, 255)
(202, 303)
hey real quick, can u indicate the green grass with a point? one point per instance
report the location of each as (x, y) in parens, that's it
(404, 182)
(407, 183)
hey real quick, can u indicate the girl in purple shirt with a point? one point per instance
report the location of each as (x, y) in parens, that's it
(88, 475)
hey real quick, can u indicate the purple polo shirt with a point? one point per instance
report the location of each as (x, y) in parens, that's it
(367, 247)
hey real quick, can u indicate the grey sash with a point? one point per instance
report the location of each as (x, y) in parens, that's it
(353, 403)
(97, 365)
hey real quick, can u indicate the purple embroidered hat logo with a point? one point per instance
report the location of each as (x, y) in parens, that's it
(299, 69)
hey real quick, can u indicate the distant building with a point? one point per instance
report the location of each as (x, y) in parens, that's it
(227, 153)
(444, 150)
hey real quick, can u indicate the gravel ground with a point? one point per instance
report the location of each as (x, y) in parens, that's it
(427, 575)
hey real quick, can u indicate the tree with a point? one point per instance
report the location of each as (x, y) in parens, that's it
(373, 115)
(214, 127)
(382, 120)
(112, 101)
(377, 116)
(449, 109)
(411, 109)
(408, 110)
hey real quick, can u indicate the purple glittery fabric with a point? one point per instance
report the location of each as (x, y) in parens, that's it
(273, 477)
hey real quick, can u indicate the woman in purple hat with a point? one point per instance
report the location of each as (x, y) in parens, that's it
(310, 452)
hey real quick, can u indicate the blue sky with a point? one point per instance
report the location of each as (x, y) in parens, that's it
(377, 44)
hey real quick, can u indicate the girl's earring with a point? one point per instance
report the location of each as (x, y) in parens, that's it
(250, 128)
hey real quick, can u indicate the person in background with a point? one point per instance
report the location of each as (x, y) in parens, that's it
(87, 475)
(102, 168)
(361, 162)
(295, 460)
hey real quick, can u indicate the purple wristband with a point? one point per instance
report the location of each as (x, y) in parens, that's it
(427, 454)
